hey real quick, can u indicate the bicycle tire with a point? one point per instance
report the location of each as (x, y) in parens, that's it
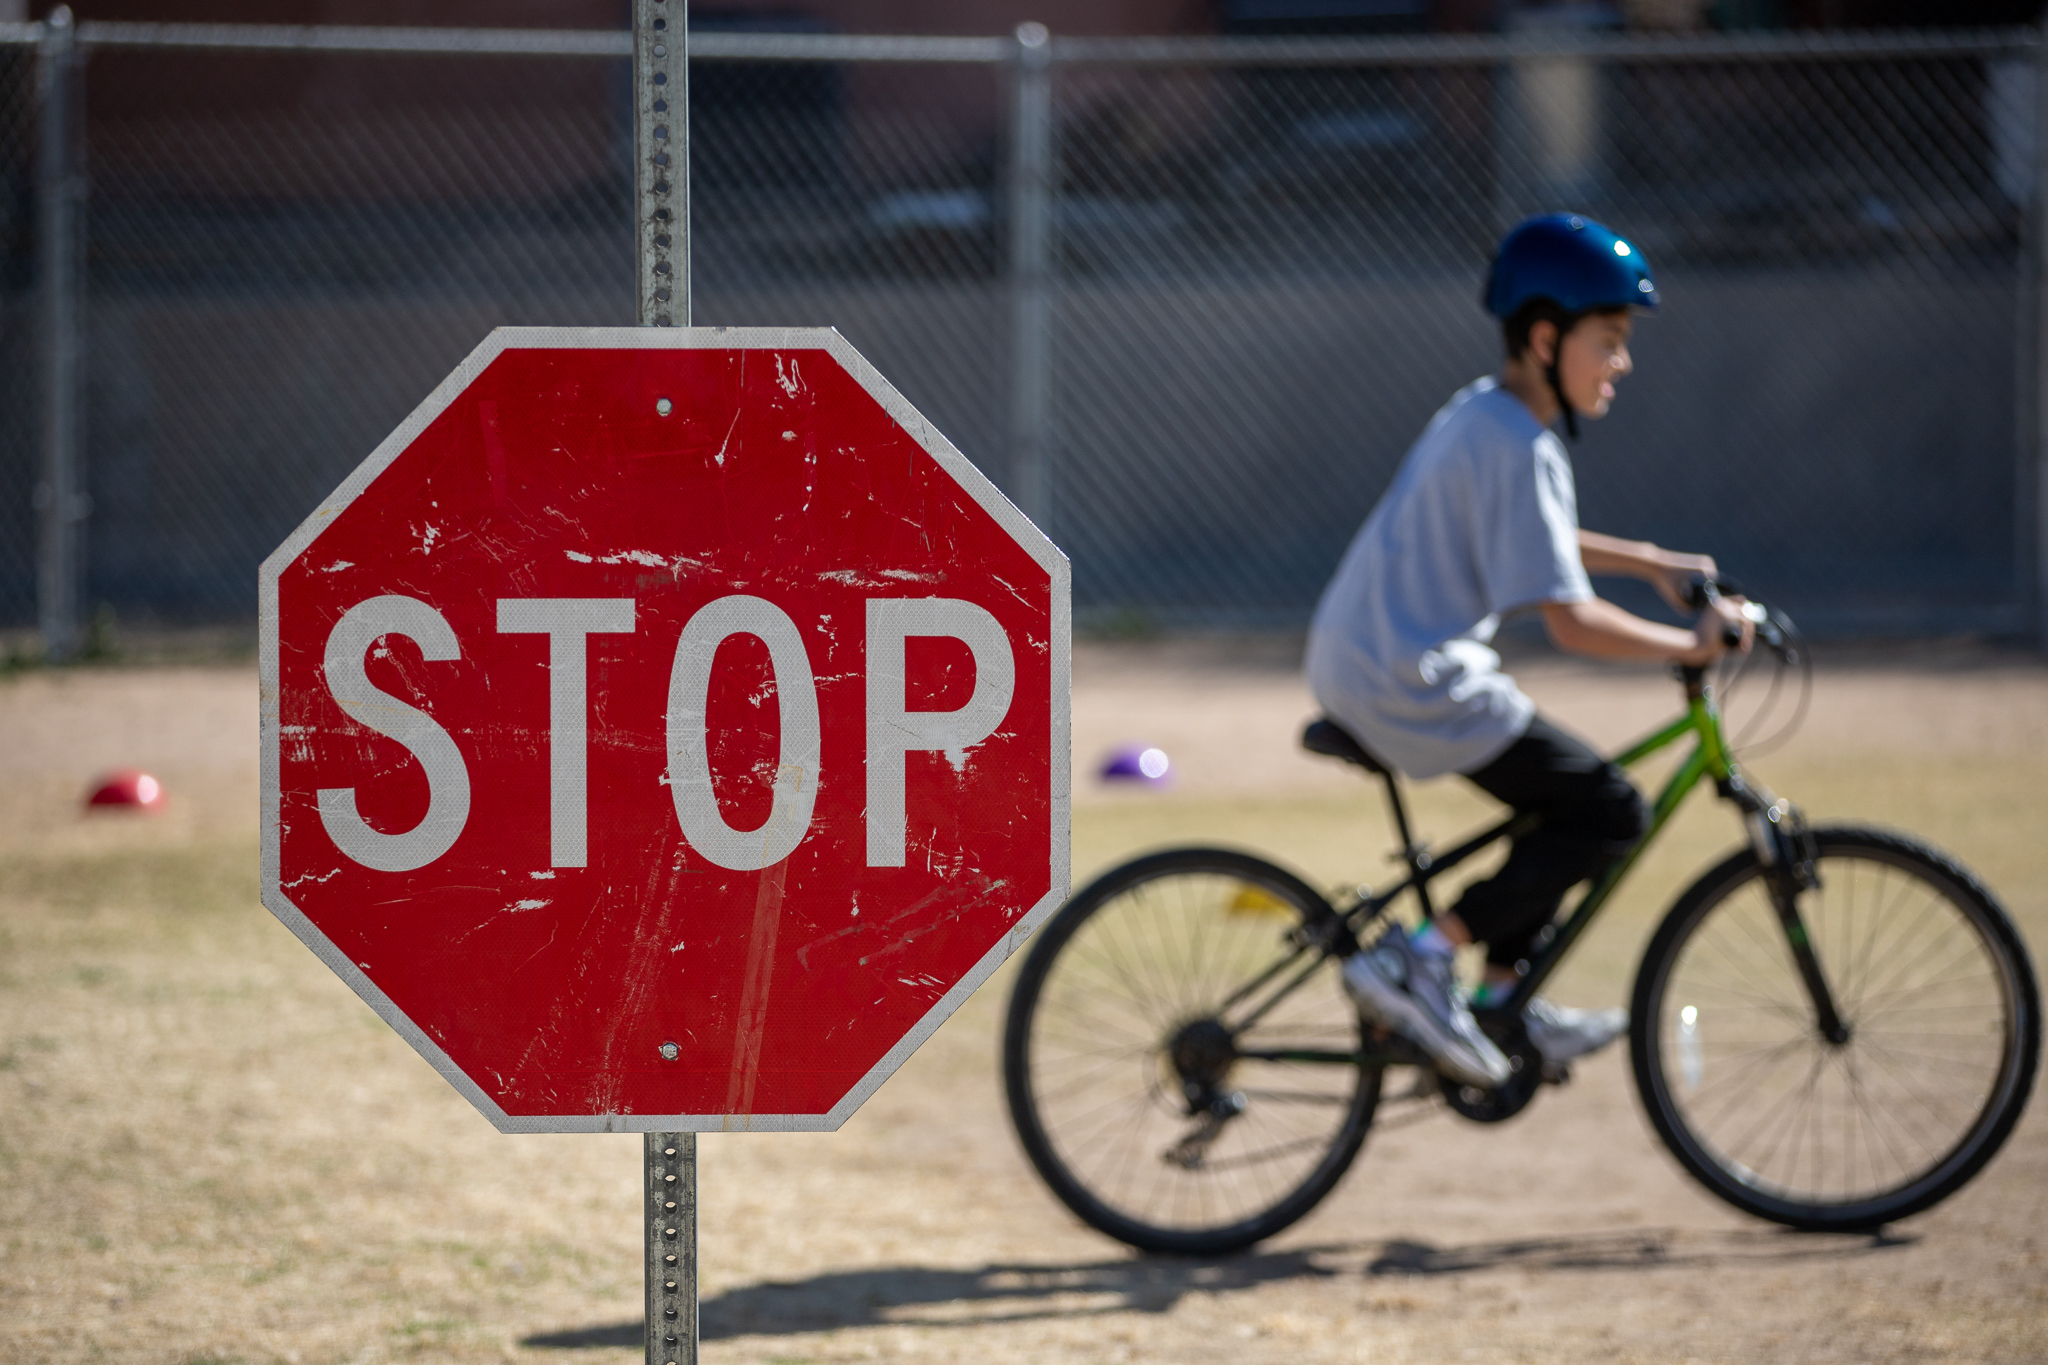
(1125, 973)
(1942, 1013)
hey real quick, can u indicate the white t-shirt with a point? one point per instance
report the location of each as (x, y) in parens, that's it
(1481, 519)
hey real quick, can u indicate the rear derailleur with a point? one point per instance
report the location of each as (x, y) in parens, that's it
(1210, 1114)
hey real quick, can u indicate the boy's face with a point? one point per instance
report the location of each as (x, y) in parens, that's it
(1594, 356)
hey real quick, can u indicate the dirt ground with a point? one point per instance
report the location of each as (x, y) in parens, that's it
(210, 1151)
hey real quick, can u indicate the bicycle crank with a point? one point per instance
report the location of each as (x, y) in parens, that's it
(1525, 1078)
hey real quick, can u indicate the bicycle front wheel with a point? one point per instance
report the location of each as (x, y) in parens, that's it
(1186, 1072)
(1938, 1040)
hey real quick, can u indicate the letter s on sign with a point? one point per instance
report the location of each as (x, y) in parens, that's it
(447, 775)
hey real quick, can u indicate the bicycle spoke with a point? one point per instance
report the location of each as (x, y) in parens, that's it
(1961, 954)
(1878, 1113)
(1918, 1099)
(1887, 952)
(1742, 1090)
(1789, 1102)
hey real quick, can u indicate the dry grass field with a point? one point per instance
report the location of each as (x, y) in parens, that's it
(210, 1151)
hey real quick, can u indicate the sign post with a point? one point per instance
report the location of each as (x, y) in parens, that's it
(671, 1219)
(661, 160)
(661, 234)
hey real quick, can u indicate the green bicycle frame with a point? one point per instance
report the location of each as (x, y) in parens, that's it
(1708, 760)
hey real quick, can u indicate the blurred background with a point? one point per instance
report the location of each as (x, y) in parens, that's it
(1186, 279)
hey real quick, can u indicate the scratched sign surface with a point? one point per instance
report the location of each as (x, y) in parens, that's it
(665, 729)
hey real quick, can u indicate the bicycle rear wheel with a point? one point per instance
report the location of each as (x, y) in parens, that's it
(1940, 1036)
(1143, 1089)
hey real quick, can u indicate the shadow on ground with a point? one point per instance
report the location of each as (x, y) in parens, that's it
(1152, 1284)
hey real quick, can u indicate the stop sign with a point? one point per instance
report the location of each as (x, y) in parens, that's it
(665, 730)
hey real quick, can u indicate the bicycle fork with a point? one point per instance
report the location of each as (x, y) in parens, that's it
(1785, 848)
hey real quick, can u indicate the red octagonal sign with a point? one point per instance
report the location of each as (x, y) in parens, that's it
(665, 729)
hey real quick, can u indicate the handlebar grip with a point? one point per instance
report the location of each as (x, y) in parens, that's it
(1704, 592)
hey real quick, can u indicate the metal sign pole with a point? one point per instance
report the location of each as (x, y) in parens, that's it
(671, 1200)
(661, 233)
(661, 160)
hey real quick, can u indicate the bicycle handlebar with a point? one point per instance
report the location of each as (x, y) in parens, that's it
(1703, 592)
(1773, 629)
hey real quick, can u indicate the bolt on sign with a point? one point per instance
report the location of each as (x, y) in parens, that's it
(665, 730)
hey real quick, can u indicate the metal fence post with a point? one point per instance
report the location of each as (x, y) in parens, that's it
(1553, 146)
(661, 234)
(2033, 489)
(1030, 228)
(58, 501)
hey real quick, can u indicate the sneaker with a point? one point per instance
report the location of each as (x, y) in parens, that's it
(1561, 1033)
(1413, 993)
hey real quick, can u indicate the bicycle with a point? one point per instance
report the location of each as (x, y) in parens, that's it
(1834, 1028)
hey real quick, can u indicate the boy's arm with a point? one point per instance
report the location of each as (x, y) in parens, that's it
(1605, 631)
(1668, 571)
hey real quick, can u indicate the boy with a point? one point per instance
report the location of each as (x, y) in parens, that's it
(1482, 520)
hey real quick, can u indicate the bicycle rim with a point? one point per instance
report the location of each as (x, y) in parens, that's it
(1940, 1007)
(1135, 967)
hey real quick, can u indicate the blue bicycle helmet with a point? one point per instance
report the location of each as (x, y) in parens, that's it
(1575, 263)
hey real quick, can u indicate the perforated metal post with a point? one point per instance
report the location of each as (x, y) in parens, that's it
(671, 1194)
(661, 159)
(661, 227)
(60, 505)
(1030, 268)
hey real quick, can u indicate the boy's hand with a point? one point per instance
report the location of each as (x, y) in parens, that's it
(1722, 620)
(1677, 575)
(1668, 571)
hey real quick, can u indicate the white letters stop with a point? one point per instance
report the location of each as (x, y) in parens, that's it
(892, 730)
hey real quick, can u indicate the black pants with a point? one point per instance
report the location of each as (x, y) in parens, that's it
(1591, 816)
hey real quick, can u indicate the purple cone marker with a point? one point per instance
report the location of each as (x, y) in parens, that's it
(1137, 763)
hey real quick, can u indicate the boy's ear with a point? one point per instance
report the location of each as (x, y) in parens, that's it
(1543, 341)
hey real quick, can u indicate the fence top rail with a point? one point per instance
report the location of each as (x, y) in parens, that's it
(848, 47)
(1494, 49)
(724, 45)
(713, 44)
(405, 41)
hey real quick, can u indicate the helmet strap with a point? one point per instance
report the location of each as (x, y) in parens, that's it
(1571, 416)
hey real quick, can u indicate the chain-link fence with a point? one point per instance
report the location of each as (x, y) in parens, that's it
(1269, 278)
(1188, 300)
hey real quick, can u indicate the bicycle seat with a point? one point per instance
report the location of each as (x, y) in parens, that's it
(1325, 736)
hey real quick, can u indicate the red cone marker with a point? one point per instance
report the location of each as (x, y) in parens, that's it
(130, 787)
